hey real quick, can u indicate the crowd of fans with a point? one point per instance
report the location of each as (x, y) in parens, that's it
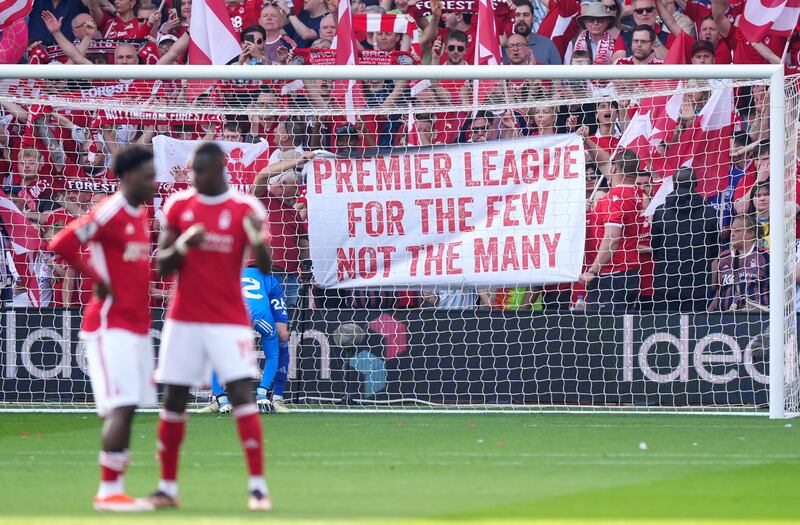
(700, 250)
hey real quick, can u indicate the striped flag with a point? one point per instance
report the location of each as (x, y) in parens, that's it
(390, 23)
(487, 50)
(761, 17)
(346, 51)
(712, 142)
(212, 38)
(560, 23)
(25, 243)
(13, 10)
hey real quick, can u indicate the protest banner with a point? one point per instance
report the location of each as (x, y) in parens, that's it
(501, 213)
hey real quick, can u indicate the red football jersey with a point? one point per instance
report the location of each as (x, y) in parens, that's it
(244, 14)
(208, 289)
(622, 206)
(119, 246)
(115, 27)
(628, 60)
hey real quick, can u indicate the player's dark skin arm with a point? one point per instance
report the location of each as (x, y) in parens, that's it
(169, 256)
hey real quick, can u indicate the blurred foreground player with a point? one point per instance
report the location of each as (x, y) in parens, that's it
(117, 319)
(208, 232)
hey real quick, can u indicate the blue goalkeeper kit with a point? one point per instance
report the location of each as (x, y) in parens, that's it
(263, 294)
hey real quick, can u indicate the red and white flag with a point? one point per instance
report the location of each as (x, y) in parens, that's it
(346, 52)
(212, 38)
(25, 242)
(390, 23)
(654, 120)
(560, 23)
(711, 138)
(680, 52)
(13, 10)
(761, 17)
(487, 50)
(705, 147)
(23, 235)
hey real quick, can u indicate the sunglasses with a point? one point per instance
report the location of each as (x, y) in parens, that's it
(460, 49)
(482, 129)
(142, 20)
(592, 20)
(610, 7)
(643, 10)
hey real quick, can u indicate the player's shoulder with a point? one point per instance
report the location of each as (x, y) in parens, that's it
(180, 196)
(108, 208)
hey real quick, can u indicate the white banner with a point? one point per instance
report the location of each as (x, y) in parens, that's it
(244, 160)
(503, 213)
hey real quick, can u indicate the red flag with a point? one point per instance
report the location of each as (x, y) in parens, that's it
(390, 23)
(25, 242)
(23, 235)
(487, 50)
(559, 24)
(347, 91)
(711, 138)
(680, 50)
(761, 17)
(212, 39)
(654, 120)
(13, 10)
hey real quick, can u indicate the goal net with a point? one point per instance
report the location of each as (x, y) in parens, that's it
(513, 244)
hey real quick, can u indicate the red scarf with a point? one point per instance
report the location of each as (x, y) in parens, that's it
(605, 47)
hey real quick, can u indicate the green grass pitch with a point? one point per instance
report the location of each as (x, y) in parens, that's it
(493, 468)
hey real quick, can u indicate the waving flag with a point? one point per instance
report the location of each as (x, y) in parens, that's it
(13, 10)
(761, 17)
(390, 23)
(654, 120)
(560, 23)
(680, 52)
(25, 243)
(23, 235)
(346, 48)
(487, 50)
(713, 128)
(705, 146)
(212, 39)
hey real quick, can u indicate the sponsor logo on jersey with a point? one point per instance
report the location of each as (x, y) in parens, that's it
(218, 242)
(136, 251)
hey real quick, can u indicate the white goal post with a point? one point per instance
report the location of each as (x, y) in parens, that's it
(784, 383)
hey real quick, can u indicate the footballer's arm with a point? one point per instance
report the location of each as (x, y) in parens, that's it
(172, 246)
(68, 242)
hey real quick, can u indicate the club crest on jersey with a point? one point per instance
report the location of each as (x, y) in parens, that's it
(225, 220)
(129, 229)
(187, 216)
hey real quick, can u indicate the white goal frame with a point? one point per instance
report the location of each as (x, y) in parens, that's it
(778, 338)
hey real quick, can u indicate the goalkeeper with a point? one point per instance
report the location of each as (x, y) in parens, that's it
(266, 305)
